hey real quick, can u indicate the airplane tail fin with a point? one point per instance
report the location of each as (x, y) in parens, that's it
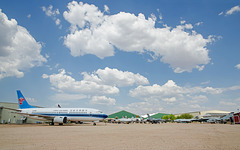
(149, 117)
(22, 102)
(195, 117)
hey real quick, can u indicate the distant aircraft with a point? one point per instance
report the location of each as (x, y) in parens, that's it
(197, 119)
(136, 119)
(58, 115)
(150, 119)
(214, 120)
(124, 120)
(186, 120)
(128, 120)
(217, 118)
(201, 120)
(142, 120)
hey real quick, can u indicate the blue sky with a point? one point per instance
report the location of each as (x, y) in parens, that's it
(140, 56)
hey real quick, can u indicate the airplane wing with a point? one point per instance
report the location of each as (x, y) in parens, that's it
(26, 114)
(203, 119)
(37, 115)
(12, 109)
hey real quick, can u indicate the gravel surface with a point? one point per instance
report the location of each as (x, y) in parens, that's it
(167, 136)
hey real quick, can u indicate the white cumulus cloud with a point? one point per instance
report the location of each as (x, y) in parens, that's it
(120, 78)
(50, 12)
(103, 100)
(166, 91)
(53, 14)
(92, 32)
(81, 15)
(172, 98)
(221, 13)
(233, 10)
(96, 85)
(238, 66)
(29, 16)
(171, 92)
(65, 83)
(19, 51)
(106, 8)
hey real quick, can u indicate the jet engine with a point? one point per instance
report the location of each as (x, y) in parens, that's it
(60, 119)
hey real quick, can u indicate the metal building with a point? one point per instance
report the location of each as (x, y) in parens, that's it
(10, 116)
(121, 114)
(207, 114)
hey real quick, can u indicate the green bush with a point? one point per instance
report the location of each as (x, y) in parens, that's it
(169, 117)
(185, 116)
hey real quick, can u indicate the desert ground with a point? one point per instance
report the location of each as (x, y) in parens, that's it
(166, 136)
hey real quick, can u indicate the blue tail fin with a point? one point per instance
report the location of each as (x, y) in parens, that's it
(22, 102)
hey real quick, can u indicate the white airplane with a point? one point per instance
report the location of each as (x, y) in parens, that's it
(123, 120)
(152, 120)
(58, 115)
(214, 120)
(186, 120)
(142, 120)
(127, 120)
(183, 120)
(136, 120)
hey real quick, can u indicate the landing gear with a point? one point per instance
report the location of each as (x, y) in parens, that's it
(51, 123)
(94, 124)
(80, 122)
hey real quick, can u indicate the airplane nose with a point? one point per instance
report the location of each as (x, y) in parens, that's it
(105, 116)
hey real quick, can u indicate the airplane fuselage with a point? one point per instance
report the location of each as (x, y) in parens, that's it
(71, 114)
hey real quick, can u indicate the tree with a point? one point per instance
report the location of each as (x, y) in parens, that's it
(166, 117)
(172, 117)
(186, 116)
(178, 117)
(169, 117)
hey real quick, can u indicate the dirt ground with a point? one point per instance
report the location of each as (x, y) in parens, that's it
(169, 136)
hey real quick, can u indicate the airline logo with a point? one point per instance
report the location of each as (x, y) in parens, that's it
(21, 100)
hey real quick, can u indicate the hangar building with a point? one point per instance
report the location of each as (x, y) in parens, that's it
(10, 116)
(159, 115)
(208, 114)
(122, 114)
